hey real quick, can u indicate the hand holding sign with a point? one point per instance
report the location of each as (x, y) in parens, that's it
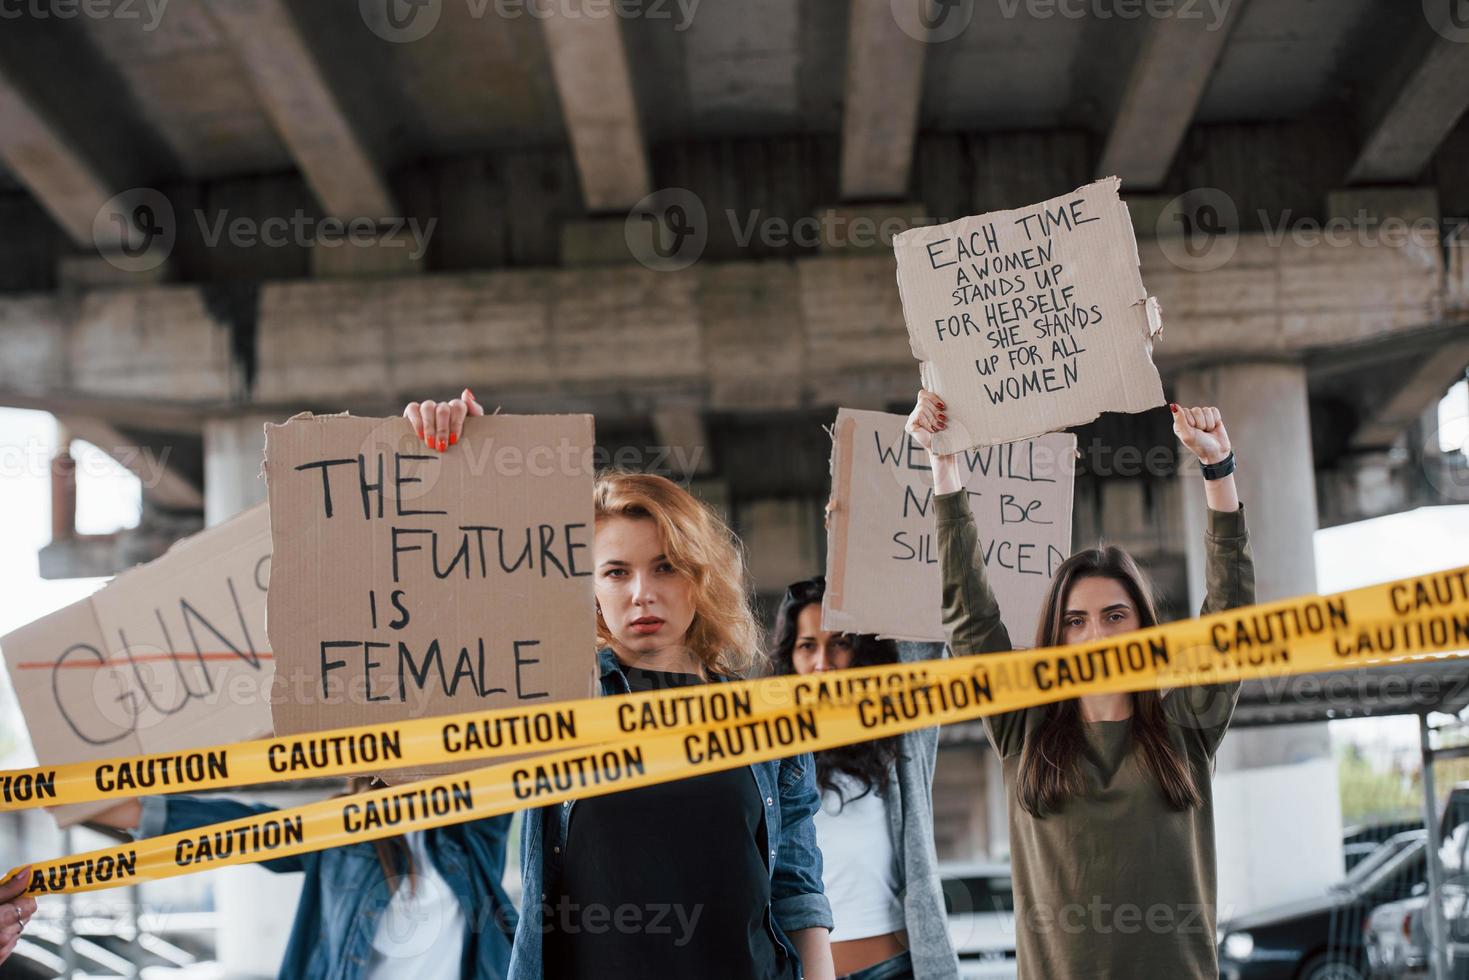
(409, 584)
(928, 417)
(439, 424)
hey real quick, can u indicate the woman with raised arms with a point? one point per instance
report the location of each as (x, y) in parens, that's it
(1109, 796)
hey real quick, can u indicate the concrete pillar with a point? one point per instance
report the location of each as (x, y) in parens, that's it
(1262, 773)
(234, 452)
(258, 905)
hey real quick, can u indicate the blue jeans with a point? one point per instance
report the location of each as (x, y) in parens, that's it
(900, 967)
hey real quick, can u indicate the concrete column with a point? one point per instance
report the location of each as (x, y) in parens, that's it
(1262, 773)
(258, 905)
(234, 452)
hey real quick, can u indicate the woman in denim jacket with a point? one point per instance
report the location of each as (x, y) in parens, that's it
(712, 876)
(416, 908)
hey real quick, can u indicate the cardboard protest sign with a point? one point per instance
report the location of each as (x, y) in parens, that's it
(167, 657)
(410, 583)
(1030, 321)
(882, 573)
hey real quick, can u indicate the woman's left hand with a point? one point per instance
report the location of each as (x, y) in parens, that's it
(1202, 431)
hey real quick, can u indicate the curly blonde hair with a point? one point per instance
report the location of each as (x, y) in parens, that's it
(723, 637)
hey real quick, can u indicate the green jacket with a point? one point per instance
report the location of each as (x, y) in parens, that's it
(1115, 885)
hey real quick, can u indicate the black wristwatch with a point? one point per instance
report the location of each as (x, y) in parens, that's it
(1219, 470)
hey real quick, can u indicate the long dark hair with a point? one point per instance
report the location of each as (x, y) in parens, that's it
(1050, 763)
(868, 763)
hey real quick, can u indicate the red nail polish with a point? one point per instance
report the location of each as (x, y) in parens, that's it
(1173, 408)
(443, 445)
(471, 394)
(453, 438)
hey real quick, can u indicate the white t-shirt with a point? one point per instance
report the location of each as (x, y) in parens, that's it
(420, 935)
(859, 868)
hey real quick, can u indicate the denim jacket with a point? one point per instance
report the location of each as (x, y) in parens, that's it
(788, 787)
(345, 891)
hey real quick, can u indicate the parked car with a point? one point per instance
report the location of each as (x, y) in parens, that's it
(1397, 939)
(1397, 933)
(1323, 938)
(1360, 840)
(980, 902)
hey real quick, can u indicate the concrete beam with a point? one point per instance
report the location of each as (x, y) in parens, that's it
(1407, 122)
(816, 331)
(68, 184)
(595, 89)
(1423, 388)
(1163, 91)
(163, 486)
(880, 115)
(103, 555)
(334, 158)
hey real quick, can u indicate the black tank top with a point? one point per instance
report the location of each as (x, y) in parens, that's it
(665, 881)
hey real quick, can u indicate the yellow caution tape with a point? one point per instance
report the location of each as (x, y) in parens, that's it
(605, 745)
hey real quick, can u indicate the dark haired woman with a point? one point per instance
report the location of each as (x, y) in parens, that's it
(875, 825)
(1109, 795)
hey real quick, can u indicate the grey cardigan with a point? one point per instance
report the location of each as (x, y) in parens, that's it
(910, 822)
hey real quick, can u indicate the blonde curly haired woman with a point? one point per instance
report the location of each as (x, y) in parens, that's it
(712, 876)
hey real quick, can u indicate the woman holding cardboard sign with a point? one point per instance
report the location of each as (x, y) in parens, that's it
(712, 876)
(1109, 795)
